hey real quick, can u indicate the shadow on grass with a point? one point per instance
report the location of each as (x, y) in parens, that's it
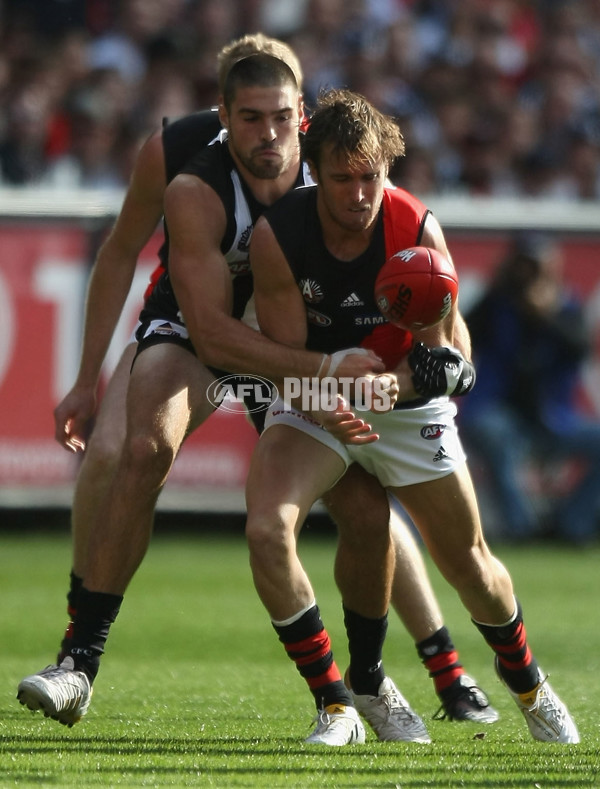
(263, 759)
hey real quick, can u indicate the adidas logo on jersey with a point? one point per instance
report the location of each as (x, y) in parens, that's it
(353, 300)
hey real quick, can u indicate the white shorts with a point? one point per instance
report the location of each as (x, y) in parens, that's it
(415, 444)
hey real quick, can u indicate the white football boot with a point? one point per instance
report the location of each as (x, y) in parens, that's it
(390, 715)
(546, 715)
(337, 725)
(62, 693)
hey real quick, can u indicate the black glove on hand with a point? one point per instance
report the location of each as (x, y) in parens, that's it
(440, 371)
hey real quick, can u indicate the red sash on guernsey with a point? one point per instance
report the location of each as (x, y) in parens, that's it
(403, 216)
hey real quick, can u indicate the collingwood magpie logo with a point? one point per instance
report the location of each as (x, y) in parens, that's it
(311, 291)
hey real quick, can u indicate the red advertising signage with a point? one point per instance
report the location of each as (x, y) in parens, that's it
(43, 277)
(42, 289)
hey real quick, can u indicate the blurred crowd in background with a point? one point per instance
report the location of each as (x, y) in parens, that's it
(495, 97)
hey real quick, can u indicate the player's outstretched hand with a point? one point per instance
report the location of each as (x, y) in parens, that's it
(71, 416)
(344, 425)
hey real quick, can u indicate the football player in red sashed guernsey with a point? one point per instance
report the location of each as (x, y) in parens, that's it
(333, 236)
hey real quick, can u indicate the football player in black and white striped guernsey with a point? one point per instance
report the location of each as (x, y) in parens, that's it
(160, 159)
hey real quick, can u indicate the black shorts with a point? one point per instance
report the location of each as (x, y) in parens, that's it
(155, 332)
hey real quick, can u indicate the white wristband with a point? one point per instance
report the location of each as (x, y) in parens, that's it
(323, 360)
(338, 356)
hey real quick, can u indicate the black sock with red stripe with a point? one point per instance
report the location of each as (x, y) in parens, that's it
(440, 658)
(307, 643)
(516, 664)
(365, 644)
(75, 584)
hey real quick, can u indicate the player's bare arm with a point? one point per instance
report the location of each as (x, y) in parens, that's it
(202, 285)
(109, 285)
(281, 315)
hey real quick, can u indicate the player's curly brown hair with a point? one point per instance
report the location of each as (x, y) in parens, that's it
(354, 128)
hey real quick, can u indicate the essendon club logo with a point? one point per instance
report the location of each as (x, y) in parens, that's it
(311, 291)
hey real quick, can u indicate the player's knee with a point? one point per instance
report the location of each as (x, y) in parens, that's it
(102, 454)
(268, 535)
(149, 454)
(472, 569)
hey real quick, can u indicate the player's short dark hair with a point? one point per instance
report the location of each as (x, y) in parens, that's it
(256, 70)
(354, 128)
(256, 44)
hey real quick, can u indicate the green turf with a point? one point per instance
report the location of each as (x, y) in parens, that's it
(195, 689)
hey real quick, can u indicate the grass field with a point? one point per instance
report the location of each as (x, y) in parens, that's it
(195, 689)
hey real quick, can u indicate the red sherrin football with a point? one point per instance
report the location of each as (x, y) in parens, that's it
(416, 288)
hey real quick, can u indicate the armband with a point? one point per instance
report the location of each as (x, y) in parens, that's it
(440, 371)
